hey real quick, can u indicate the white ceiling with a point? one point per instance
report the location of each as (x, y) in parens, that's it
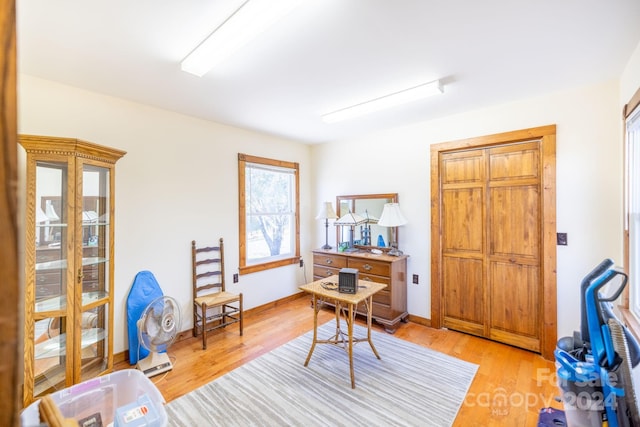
(329, 54)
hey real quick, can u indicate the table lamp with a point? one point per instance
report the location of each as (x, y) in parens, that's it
(350, 220)
(41, 216)
(365, 230)
(326, 213)
(51, 212)
(392, 217)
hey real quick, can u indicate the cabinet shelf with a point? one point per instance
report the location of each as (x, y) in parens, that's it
(61, 264)
(59, 302)
(56, 346)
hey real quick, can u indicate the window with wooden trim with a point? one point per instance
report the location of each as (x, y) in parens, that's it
(269, 213)
(632, 124)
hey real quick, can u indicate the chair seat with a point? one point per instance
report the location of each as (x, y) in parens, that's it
(217, 298)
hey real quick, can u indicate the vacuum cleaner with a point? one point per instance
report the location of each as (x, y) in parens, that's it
(595, 366)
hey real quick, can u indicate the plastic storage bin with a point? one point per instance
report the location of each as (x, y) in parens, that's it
(129, 394)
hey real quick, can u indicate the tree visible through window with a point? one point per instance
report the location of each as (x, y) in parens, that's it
(268, 213)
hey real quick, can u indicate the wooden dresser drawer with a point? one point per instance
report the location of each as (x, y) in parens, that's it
(52, 277)
(334, 261)
(47, 291)
(48, 254)
(322, 271)
(90, 286)
(89, 251)
(382, 297)
(377, 279)
(90, 272)
(365, 267)
(380, 309)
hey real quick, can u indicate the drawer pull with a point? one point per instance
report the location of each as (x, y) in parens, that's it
(367, 278)
(367, 267)
(329, 261)
(328, 273)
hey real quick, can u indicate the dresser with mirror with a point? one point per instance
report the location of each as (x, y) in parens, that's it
(368, 257)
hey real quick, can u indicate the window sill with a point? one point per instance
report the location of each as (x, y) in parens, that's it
(246, 269)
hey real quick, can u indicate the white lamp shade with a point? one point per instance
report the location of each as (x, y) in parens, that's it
(326, 212)
(89, 216)
(391, 216)
(51, 213)
(370, 219)
(41, 216)
(351, 219)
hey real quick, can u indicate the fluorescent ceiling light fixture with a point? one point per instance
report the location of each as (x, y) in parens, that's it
(387, 101)
(247, 22)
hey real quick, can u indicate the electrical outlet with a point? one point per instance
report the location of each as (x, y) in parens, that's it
(562, 239)
(235, 278)
(301, 262)
(415, 279)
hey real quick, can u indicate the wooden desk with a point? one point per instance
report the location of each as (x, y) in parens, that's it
(327, 289)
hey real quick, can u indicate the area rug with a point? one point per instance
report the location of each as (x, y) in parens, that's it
(410, 385)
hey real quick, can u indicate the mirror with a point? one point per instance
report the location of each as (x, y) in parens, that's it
(366, 205)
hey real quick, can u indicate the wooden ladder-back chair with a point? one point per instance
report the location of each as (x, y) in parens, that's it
(213, 306)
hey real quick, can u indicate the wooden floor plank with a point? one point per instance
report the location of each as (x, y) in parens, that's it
(509, 389)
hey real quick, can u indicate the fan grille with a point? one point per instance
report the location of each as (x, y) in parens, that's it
(159, 324)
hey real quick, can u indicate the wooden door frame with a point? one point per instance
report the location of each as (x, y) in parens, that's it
(11, 301)
(547, 136)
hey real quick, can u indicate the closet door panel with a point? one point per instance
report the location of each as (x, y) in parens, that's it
(464, 294)
(514, 162)
(514, 305)
(464, 167)
(514, 236)
(463, 220)
(514, 227)
(463, 240)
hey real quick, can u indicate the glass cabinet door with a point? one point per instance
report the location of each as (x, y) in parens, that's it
(94, 270)
(52, 276)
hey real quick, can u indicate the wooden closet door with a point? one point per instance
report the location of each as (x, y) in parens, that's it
(463, 236)
(491, 240)
(514, 242)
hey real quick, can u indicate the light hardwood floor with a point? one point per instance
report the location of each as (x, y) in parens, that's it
(510, 387)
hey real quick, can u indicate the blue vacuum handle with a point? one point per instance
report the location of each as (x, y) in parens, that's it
(599, 339)
(618, 291)
(598, 271)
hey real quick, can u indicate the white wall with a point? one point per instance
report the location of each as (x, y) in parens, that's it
(589, 177)
(630, 79)
(177, 182)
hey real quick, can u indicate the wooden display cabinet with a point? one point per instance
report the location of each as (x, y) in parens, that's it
(68, 296)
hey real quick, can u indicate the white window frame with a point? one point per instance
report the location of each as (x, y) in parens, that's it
(632, 217)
